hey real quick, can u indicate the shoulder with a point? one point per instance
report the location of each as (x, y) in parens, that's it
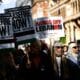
(64, 59)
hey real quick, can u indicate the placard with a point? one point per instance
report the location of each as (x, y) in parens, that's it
(6, 32)
(22, 23)
(49, 27)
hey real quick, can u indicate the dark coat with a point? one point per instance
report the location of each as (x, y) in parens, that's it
(44, 69)
(74, 70)
(64, 69)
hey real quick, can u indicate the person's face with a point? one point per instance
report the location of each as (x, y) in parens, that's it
(58, 50)
(65, 48)
(75, 48)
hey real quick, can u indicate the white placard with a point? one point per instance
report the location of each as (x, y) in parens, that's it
(49, 27)
(7, 45)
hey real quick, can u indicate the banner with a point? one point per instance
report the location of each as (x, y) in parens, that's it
(6, 32)
(22, 23)
(49, 27)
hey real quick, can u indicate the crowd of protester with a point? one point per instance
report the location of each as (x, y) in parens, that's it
(38, 63)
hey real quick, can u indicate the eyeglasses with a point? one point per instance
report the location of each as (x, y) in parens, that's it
(75, 47)
(59, 47)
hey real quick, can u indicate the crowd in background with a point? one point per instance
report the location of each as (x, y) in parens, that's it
(38, 62)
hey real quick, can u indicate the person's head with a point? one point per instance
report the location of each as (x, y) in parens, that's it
(20, 52)
(35, 46)
(58, 49)
(73, 47)
(27, 48)
(65, 48)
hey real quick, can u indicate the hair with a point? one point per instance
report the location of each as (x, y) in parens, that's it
(70, 46)
(72, 42)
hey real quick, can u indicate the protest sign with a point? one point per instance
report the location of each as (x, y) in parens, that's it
(22, 23)
(49, 27)
(6, 32)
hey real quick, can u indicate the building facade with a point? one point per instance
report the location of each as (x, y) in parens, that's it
(40, 8)
(70, 11)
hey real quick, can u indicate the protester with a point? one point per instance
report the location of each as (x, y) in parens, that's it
(2, 67)
(73, 57)
(59, 62)
(41, 65)
(65, 49)
(9, 66)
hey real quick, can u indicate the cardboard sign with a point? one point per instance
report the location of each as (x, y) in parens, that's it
(22, 23)
(6, 32)
(7, 46)
(49, 27)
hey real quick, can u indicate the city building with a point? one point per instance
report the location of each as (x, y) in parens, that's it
(70, 11)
